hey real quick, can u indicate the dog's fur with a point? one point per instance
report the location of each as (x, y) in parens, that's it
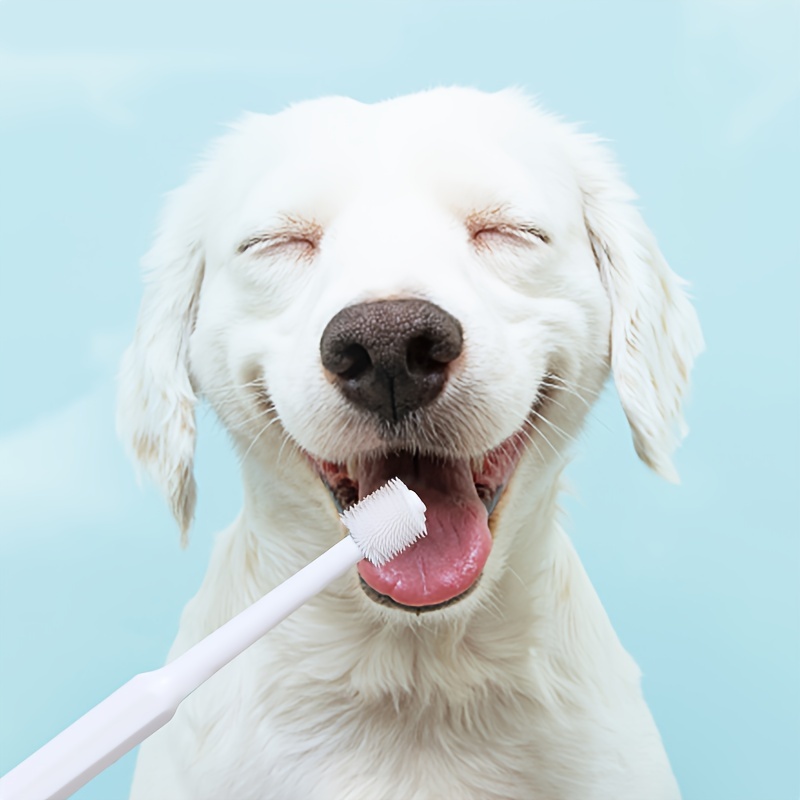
(520, 689)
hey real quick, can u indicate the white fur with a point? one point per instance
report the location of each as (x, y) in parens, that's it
(520, 690)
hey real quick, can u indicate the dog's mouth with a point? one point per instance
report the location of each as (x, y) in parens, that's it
(460, 496)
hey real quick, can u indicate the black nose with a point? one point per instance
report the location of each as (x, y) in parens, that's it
(391, 356)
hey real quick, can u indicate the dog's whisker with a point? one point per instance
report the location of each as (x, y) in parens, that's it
(568, 390)
(593, 394)
(226, 388)
(236, 400)
(257, 437)
(241, 422)
(532, 441)
(564, 387)
(560, 380)
(560, 431)
(571, 387)
(517, 449)
(515, 574)
(287, 439)
(541, 433)
(551, 398)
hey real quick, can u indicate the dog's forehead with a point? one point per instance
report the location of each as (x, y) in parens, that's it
(464, 147)
(432, 121)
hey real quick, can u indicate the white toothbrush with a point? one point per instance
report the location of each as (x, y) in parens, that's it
(381, 525)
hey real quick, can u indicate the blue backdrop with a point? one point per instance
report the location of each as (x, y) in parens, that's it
(105, 106)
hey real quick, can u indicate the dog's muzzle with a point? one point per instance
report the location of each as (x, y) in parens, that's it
(389, 359)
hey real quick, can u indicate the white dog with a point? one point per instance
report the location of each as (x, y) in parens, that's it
(434, 287)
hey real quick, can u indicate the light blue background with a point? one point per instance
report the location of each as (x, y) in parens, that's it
(105, 106)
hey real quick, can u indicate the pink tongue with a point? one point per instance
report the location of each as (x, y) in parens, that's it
(447, 561)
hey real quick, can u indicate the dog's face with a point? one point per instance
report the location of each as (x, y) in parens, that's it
(432, 288)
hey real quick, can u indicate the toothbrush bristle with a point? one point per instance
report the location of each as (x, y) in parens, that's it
(386, 522)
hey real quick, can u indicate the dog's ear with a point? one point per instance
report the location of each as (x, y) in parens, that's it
(156, 400)
(655, 334)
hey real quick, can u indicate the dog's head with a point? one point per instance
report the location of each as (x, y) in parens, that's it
(434, 288)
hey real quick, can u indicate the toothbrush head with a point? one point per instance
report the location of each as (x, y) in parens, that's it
(386, 522)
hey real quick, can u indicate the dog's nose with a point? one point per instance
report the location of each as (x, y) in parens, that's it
(391, 356)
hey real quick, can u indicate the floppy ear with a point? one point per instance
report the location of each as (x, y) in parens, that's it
(155, 407)
(655, 334)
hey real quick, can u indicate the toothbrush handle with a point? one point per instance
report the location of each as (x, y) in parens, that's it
(149, 700)
(95, 741)
(210, 654)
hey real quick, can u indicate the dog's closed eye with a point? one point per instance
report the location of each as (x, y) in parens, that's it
(497, 226)
(293, 234)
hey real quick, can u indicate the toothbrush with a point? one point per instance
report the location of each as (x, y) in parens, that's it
(381, 525)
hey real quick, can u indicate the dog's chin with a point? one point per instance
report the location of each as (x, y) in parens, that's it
(460, 494)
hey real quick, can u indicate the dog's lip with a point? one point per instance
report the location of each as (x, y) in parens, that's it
(490, 473)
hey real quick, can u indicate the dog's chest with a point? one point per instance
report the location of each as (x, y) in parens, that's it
(334, 748)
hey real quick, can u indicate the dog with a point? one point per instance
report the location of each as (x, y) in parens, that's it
(435, 288)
